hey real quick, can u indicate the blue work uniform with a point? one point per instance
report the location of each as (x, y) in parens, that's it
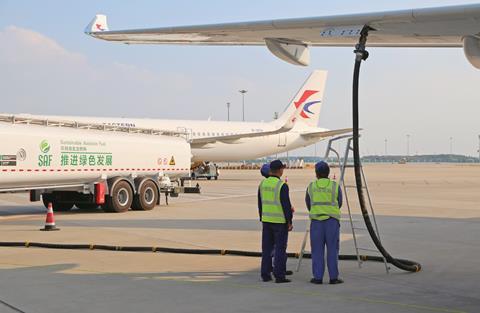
(275, 237)
(325, 233)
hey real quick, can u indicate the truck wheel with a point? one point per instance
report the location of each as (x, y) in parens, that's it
(120, 199)
(216, 177)
(86, 206)
(46, 199)
(209, 177)
(147, 197)
(56, 205)
(62, 206)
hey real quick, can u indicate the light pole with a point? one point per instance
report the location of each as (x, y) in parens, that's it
(228, 111)
(243, 92)
(451, 145)
(386, 143)
(478, 148)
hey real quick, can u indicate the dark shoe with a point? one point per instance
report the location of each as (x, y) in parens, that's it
(316, 281)
(288, 273)
(282, 280)
(336, 281)
(266, 279)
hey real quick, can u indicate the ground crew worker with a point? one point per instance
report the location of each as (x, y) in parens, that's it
(324, 200)
(265, 170)
(275, 211)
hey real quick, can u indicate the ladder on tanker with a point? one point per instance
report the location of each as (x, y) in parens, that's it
(343, 164)
(120, 127)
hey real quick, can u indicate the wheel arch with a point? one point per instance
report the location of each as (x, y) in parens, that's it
(112, 182)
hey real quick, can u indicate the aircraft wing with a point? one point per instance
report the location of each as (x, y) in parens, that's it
(289, 39)
(281, 127)
(326, 133)
(234, 139)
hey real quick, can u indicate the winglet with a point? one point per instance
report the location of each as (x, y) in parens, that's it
(97, 25)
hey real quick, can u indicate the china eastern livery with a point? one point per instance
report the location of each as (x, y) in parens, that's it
(222, 141)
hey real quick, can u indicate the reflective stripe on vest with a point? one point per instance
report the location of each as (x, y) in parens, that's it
(272, 211)
(323, 200)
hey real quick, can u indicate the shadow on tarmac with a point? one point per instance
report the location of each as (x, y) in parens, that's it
(50, 289)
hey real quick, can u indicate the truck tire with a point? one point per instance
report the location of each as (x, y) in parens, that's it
(57, 206)
(86, 206)
(62, 206)
(46, 199)
(120, 198)
(147, 197)
(209, 177)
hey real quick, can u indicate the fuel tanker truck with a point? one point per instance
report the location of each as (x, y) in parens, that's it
(86, 165)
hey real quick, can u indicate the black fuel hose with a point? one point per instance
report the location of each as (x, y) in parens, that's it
(172, 250)
(360, 55)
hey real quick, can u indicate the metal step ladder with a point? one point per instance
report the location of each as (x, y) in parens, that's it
(343, 164)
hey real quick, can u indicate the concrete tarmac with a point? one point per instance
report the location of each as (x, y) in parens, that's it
(427, 213)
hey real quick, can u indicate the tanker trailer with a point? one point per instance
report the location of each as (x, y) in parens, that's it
(67, 163)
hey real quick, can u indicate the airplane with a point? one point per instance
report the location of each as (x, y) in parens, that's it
(222, 141)
(290, 39)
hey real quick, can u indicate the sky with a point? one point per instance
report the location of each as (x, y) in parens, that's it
(49, 66)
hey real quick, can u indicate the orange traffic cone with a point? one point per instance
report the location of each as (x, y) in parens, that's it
(50, 220)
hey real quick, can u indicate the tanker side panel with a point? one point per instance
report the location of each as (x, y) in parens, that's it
(32, 155)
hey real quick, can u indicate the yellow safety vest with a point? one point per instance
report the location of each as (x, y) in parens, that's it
(272, 211)
(323, 195)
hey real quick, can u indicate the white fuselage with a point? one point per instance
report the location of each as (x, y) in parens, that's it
(239, 140)
(242, 149)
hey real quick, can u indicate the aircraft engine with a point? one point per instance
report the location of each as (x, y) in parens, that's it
(293, 52)
(471, 47)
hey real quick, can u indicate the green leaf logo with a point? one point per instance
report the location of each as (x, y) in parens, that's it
(44, 146)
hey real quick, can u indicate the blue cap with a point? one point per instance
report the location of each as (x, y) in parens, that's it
(276, 165)
(322, 168)
(265, 170)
